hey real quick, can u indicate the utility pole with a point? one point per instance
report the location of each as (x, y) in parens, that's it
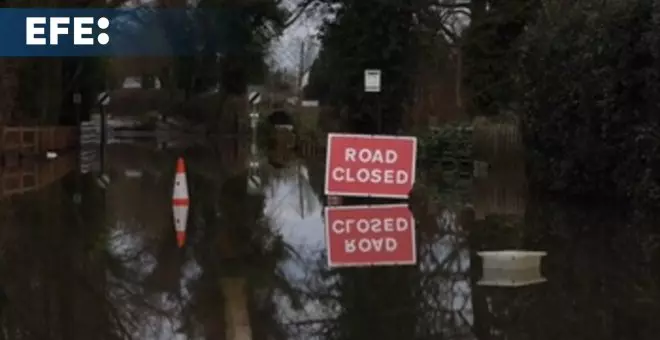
(103, 179)
(299, 93)
(301, 73)
(104, 100)
(254, 98)
(380, 114)
(77, 103)
(104, 136)
(372, 84)
(459, 77)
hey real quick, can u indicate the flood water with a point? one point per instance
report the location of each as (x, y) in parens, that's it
(83, 256)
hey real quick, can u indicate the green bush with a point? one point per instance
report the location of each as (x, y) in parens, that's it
(589, 91)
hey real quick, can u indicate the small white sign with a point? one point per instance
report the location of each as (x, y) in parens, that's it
(371, 80)
(255, 97)
(131, 173)
(254, 93)
(310, 103)
(104, 98)
(254, 184)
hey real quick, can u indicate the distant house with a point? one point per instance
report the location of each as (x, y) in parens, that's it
(140, 85)
(137, 101)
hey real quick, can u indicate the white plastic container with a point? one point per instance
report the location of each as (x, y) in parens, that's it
(511, 268)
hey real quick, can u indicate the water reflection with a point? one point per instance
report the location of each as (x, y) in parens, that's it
(255, 265)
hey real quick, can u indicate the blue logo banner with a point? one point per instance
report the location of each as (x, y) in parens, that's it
(113, 32)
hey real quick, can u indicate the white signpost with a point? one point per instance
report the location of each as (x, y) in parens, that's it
(255, 98)
(254, 93)
(254, 184)
(372, 81)
(254, 180)
(104, 98)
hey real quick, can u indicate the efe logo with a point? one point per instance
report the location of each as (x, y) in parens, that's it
(82, 30)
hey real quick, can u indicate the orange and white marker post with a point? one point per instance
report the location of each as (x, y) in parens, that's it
(180, 202)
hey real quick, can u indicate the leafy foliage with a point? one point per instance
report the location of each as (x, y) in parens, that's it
(366, 34)
(589, 83)
(490, 45)
(445, 156)
(235, 38)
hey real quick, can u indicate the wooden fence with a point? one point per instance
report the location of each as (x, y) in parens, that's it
(310, 147)
(34, 176)
(503, 189)
(31, 140)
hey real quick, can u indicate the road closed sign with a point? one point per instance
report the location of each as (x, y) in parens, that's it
(370, 165)
(378, 235)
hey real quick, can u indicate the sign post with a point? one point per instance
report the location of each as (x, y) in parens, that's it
(372, 85)
(370, 166)
(254, 99)
(378, 235)
(254, 93)
(103, 101)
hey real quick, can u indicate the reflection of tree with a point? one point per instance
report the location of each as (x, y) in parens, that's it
(121, 277)
(54, 268)
(445, 293)
(228, 238)
(233, 240)
(600, 262)
(445, 300)
(376, 303)
(601, 284)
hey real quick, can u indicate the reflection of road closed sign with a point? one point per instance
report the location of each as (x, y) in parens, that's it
(370, 235)
(370, 166)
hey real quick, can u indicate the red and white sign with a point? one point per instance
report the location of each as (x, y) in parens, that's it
(370, 235)
(370, 166)
(180, 202)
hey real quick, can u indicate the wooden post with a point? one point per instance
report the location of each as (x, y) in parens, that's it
(237, 318)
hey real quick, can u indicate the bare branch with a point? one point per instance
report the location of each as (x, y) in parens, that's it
(301, 8)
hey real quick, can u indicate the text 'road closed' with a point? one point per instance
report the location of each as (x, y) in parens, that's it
(378, 166)
(370, 235)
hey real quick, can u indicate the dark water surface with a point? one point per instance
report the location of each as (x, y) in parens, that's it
(83, 259)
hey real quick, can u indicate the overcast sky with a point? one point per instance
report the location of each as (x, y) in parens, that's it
(286, 50)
